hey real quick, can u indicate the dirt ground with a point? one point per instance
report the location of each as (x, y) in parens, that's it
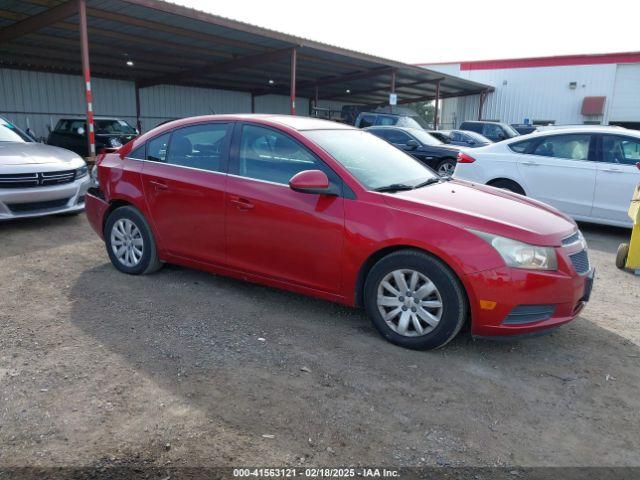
(186, 368)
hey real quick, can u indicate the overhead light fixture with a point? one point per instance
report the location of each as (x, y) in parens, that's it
(129, 63)
(348, 91)
(271, 82)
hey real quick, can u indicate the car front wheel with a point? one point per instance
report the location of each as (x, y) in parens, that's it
(130, 243)
(414, 300)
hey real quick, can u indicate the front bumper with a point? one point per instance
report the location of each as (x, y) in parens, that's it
(41, 201)
(499, 292)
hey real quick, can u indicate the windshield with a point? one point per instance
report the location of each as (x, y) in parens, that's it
(476, 136)
(511, 132)
(412, 122)
(373, 161)
(10, 133)
(118, 127)
(425, 138)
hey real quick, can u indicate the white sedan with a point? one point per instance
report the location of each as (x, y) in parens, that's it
(37, 179)
(588, 173)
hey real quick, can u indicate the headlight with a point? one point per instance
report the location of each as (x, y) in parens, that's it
(94, 177)
(521, 255)
(82, 171)
(115, 142)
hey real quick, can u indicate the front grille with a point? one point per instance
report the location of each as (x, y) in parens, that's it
(41, 179)
(38, 206)
(575, 238)
(18, 180)
(523, 314)
(580, 262)
(56, 178)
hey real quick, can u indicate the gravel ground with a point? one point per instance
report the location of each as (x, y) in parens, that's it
(186, 368)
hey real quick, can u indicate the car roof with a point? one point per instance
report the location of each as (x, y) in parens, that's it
(80, 117)
(395, 127)
(577, 129)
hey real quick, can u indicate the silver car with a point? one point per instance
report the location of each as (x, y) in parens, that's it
(37, 179)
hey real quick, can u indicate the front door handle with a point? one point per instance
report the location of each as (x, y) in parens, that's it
(530, 164)
(158, 185)
(241, 204)
(613, 170)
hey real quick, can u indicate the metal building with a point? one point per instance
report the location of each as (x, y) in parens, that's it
(148, 61)
(575, 89)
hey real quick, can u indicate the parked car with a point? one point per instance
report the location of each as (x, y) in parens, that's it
(494, 131)
(462, 138)
(524, 128)
(421, 145)
(589, 174)
(71, 133)
(331, 211)
(38, 179)
(370, 119)
(24, 135)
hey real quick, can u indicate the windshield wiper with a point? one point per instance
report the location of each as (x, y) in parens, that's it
(428, 182)
(394, 187)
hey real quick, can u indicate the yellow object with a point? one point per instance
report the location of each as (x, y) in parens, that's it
(488, 304)
(633, 259)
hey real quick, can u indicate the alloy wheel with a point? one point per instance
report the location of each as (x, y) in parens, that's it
(446, 169)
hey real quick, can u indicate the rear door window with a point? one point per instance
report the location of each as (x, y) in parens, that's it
(572, 147)
(398, 137)
(386, 120)
(474, 127)
(367, 121)
(199, 146)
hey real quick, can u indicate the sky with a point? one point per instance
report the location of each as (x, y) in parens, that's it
(428, 31)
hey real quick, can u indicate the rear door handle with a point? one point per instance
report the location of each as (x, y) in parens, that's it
(158, 185)
(241, 203)
(530, 164)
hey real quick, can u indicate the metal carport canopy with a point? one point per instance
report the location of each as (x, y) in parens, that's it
(172, 44)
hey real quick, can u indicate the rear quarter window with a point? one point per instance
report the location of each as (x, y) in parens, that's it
(523, 146)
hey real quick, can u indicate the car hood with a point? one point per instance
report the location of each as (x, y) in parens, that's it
(16, 153)
(487, 209)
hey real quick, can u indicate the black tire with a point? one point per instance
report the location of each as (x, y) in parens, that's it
(448, 163)
(149, 261)
(454, 300)
(622, 255)
(509, 185)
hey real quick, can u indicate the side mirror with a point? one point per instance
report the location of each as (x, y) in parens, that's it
(80, 131)
(638, 165)
(312, 181)
(412, 144)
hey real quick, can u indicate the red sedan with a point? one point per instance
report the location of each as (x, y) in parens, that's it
(331, 211)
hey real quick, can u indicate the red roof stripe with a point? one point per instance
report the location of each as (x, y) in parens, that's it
(589, 59)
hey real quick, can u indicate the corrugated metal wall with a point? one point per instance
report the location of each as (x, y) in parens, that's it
(168, 102)
(38, 100)
(541, 93)
(625, 105)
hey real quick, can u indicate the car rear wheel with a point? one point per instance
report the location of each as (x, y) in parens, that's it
(508, 185)
(446, 167)
(130, 243)
(414, 300)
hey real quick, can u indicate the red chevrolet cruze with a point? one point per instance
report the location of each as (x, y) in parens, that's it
(331, 211)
